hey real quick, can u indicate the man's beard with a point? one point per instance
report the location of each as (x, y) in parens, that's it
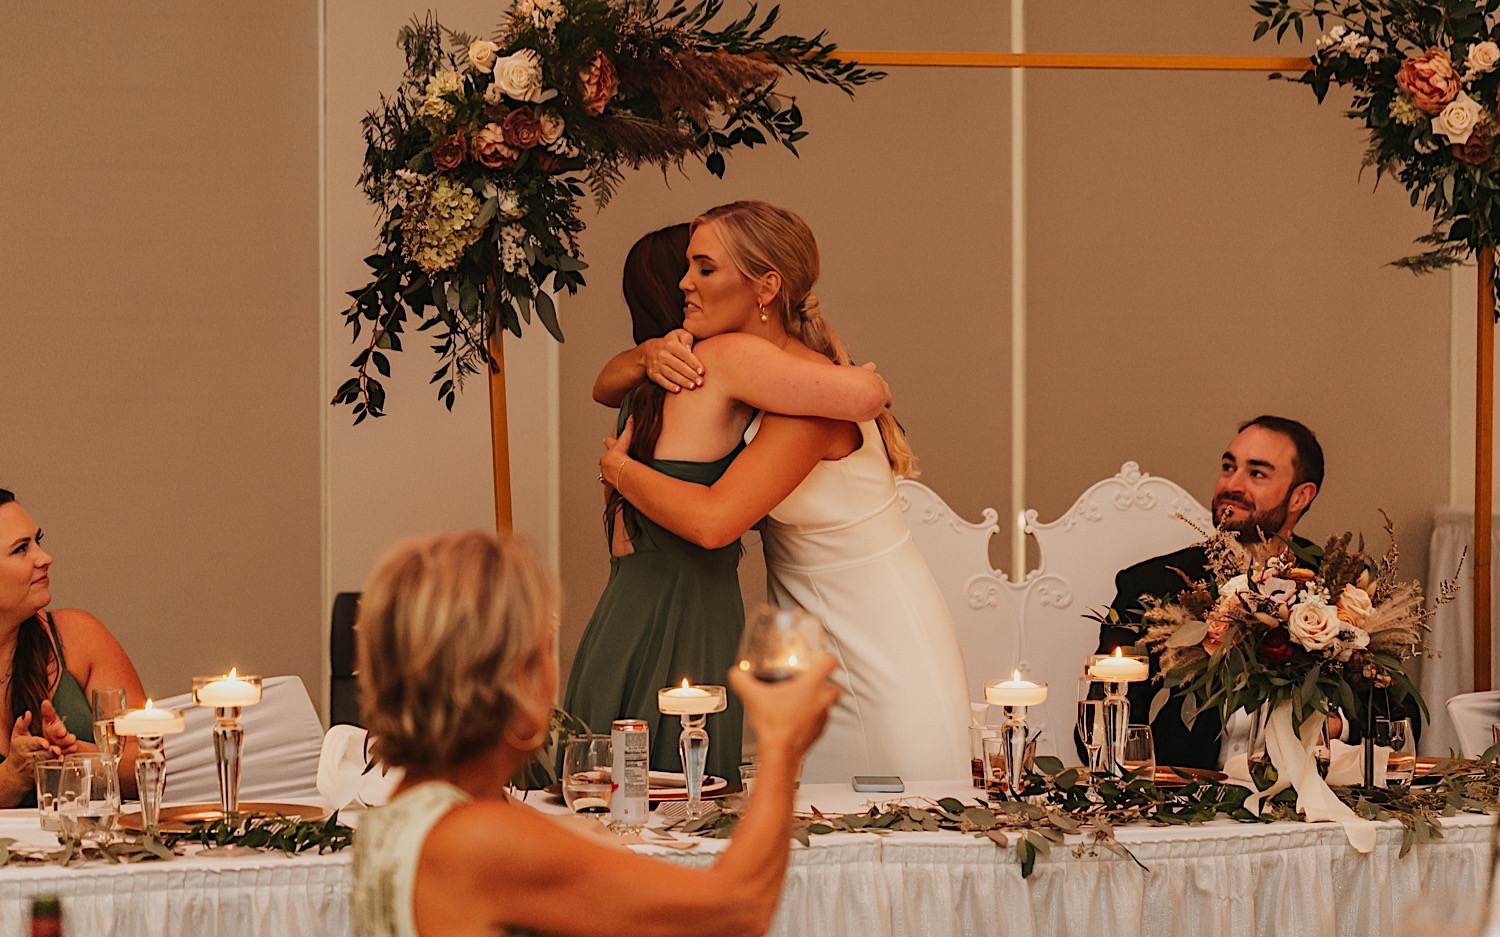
(1257, 526)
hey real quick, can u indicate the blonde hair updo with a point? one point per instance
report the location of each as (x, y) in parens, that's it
(449, 627)
(760, 237)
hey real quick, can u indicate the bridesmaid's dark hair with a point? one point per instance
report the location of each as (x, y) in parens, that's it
(31, 666)
(654, 268)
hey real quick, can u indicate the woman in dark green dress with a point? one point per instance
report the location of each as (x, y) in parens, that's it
(672, 609)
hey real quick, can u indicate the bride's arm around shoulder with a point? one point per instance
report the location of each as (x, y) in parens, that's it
(757, 372)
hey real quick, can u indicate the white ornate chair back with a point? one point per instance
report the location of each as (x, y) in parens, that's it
(1038, 625)
(1472, 715)
(279, 764)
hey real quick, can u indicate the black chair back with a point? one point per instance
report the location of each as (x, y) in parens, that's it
(343, 689)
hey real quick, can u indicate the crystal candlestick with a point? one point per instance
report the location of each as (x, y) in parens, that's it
(149, 726)
(1116, 671)
(692, 704)
(227, 695)
(1013, 696)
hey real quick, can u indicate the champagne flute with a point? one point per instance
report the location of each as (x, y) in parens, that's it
(1091, 731)
(779, 643)
(107, 702)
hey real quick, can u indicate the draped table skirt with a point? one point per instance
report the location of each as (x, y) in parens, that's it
(1221, 878)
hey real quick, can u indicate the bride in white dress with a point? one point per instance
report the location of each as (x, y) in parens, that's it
(835, 539)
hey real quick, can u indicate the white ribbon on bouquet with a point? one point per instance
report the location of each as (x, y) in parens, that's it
(1292, 757)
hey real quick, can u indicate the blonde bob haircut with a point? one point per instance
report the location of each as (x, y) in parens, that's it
(450, 630)
(760, 237)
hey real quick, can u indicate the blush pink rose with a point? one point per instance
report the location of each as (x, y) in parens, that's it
(599, 84)
(1429, 80)
(491, 149)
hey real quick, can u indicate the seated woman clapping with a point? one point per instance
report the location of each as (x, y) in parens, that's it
(55, 659)
(458, 677)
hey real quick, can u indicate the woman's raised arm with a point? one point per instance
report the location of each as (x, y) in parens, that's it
(783, 452)
(669, 361)
(756, 372)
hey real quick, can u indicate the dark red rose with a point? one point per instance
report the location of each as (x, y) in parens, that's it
(450, 152)
(1275, 648)
(1476, 152)
(521, 128)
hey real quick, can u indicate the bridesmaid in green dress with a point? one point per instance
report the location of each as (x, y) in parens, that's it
(672, 609)
(54, 659)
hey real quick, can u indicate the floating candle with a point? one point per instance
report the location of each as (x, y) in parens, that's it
(149, 721)
(1118, 669)
(687, 700)
(228, 690)
(1015, 692)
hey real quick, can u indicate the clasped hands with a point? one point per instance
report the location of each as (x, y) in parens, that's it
(670, 362)
(27, 749)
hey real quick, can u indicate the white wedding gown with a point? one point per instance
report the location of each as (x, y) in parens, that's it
(838, 547)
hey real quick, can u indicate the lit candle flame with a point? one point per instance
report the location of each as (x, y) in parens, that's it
(148, 705)
(1118, 651)
(1016, 676)
(791, 660)
(684, 683)
(232, 675)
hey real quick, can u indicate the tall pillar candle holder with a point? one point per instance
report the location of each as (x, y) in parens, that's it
(692, 704)
(1013, 696)
(150, 726)
(227, 695)
(1116, 671)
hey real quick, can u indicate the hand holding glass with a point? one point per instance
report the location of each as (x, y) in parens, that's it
(779, 643)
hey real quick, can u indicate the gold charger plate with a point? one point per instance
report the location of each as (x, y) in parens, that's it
(1167, 776)
(176, 819)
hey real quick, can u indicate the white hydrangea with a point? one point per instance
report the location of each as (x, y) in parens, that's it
(512, 253)
(1343, 41)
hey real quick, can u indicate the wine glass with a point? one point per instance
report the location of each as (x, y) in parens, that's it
(107, 702)
(588, 763)
(1091, 732)
(779, 643)
(1140, 750)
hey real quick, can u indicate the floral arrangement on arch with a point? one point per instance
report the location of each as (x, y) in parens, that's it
(1329, 632)
(1426, 80)
(479, 160)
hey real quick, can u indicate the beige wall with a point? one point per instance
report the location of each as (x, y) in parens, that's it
(159, 323)
(1199, 248)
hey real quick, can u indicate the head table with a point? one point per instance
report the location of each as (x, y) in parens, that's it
(1220, 878)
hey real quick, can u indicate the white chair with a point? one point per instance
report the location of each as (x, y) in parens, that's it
(1472, 714)
(279, 763)
(1038, 625)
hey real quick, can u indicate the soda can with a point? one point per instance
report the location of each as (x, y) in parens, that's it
(629, 803)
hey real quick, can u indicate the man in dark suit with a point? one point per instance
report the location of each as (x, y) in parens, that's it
(1268, 478)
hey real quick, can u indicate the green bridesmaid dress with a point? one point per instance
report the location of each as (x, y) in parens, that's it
(671, 610)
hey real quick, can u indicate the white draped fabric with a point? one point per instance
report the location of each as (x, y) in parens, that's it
(1452, 625)
(1222, 878)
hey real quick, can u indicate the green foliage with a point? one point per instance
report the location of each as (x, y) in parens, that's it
(478, 180)
(1364, 49)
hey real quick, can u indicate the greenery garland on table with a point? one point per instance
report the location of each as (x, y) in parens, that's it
(477, 162)
(1055, 802)
(260, 832)
(1426, 81)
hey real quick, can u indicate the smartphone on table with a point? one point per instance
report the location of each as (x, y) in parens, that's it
(879, 783)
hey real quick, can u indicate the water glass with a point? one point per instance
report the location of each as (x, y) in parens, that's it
(1140, 750)
(97, 816)
(977, 735)
(588, 765)
(1396, 734)
(747, 776)
(994, 765)
(62, 793)
(778, 643)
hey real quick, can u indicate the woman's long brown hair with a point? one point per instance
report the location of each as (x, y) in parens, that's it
(31, 664)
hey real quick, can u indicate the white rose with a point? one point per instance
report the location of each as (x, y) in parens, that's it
(1314, 624)
(1458, 119)
(1482, 57)
(552, 126)
(1354, 605)
(1352, 640)
(1235, 586)
(508, 205)
(482, 54)
(520, 76)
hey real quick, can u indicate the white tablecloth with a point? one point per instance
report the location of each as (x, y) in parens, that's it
(1453, 624)
(1222, 878)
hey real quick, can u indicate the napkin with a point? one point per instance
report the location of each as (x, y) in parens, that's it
(346, 776)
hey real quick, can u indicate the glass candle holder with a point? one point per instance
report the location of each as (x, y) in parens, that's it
(150, 726)
(1116, 672)
(227, 694)
(692, 704)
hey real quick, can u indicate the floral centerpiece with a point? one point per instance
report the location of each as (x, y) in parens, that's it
(477, 163)
(1297, 633)
(1426, 86)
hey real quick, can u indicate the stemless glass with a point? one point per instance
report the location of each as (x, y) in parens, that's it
(96, 817)
(778, 643)
(588, 764)
(62, 795)
(1140, 750)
